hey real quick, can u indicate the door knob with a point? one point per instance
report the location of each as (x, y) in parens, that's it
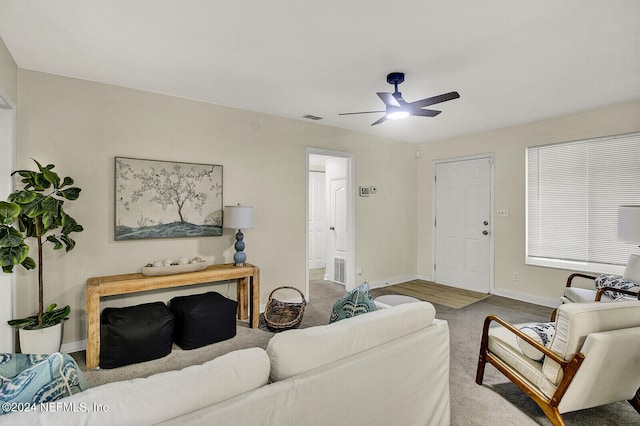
(485, 232)
(332, 228)
(485, 223)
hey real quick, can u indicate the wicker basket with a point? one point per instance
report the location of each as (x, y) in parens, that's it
(284, 315)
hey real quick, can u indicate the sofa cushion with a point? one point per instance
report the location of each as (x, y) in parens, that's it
(582, 295)
(503, 343)
(163, 396)
(541, 333)
(296, 351)
(357, 301)
(575, 321)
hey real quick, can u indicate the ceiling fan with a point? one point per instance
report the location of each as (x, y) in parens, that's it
(397, 108)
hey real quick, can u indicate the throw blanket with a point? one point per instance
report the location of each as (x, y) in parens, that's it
(27, 380)
(616, 281)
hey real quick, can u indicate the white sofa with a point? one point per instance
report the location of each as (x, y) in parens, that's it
(386, 367)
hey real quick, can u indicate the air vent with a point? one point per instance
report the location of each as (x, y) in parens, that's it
(338, 270)
(312, 117)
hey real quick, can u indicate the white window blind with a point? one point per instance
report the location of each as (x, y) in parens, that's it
(573, 193)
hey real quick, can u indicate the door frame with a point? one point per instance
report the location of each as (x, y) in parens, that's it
(491, 158)
(350, 273)
(8, 147)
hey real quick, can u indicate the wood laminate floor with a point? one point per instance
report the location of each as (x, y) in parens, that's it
(435, 293)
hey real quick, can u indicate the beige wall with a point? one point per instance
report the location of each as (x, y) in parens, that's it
(81, 126)
(509, 145)
(8, 72)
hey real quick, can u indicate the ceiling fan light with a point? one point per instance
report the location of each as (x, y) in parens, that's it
(397, 115)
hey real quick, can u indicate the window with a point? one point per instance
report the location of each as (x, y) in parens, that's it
(573, 193)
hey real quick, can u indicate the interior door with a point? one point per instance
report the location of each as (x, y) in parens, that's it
(317, 221)
(337, 230)
(463, 224)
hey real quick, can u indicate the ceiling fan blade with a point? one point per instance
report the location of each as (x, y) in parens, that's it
(362, 112)
(425, 112)
(389, 99)
(383, 118)
(435, 100)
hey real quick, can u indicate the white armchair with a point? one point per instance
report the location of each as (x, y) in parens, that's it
(593, 359)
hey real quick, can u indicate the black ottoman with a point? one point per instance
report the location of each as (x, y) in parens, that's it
(202, 319)
(135, 334)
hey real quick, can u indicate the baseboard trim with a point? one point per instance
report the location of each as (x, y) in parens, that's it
(77, 346)
(392, 281)
(529, 298)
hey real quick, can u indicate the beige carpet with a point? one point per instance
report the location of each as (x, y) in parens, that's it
(452, 297)
(497, 402)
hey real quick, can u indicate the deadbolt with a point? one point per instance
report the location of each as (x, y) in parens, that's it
(485, 223)
(485, 232)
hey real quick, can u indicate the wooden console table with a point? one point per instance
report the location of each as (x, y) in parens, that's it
(248, 277)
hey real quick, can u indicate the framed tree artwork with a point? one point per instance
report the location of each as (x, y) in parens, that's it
(162, 199)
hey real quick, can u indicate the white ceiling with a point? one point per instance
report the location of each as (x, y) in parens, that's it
(512, 61)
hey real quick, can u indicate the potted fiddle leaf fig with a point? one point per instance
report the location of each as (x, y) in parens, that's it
(36, 211)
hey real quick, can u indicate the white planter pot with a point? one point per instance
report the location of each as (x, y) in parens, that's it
(42, 341)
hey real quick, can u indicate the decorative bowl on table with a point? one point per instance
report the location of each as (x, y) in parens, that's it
(180, 266)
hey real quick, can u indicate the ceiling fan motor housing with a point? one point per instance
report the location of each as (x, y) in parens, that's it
(395, 78)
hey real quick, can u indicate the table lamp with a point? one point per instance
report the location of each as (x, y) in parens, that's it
(629, 224)
(238, 217)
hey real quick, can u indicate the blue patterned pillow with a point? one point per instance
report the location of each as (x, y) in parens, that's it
(615, 281)
(357, 301)
(542, 333)
(36, 379)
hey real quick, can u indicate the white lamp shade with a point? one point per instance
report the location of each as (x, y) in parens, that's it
(629, 224)
(238, 217)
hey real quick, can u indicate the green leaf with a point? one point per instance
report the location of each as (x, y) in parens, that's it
(51, 177)
(13, 255)
(70, 225)
(33, 208)
(7, 269)
(41, 183)
(48, 221)
(69, 193)
(50, 317)
(50, 204)
(29, 263)
(68, 242)
(23, 197)
(10, 237)
(8, 212)
(55, 241)
(66, 182)
(27, 226)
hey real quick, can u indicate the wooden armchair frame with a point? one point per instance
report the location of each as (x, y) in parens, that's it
(569, 369)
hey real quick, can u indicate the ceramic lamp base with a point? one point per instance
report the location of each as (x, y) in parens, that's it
(240, 257)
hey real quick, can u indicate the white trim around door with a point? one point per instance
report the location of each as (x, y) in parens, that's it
(350, 272)
(482, 226)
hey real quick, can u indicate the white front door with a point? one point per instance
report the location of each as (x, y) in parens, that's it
(462, 226)
(317, 220)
